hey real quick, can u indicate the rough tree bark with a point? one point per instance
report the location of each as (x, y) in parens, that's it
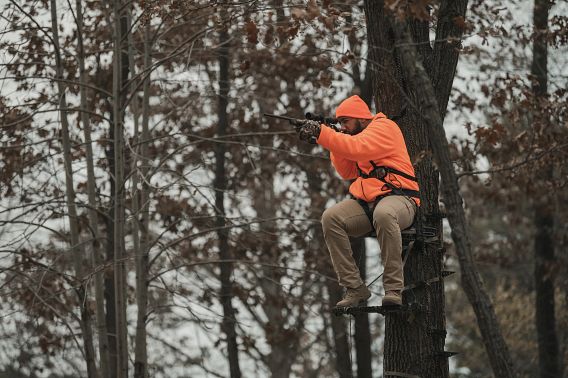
(228, 325)
(418, 81)
(96, 252)
(548, 351)
(76, 250)
(426, 80)
(414, 343)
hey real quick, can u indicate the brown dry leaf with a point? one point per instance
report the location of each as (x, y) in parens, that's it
(269, 35)
(245, 65)
(419, 9)
(460, 22)
(252, 32)
(329, 22)
(293, 31)
(312, 10)
(325, 79)
(298, 13)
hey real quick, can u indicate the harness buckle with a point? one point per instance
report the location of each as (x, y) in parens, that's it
(381, 172)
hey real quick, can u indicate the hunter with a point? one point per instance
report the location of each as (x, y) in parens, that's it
(371, 151)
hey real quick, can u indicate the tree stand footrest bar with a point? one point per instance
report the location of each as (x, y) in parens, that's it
(383, 310)
(399, 374)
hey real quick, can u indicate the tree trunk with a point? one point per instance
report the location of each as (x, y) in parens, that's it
(109, 273)
(364, 356)
(548, 351)
(229, 321)
(418, 82)
(339, 328)
(120, 76)
(283, 343)
(341, 338)
(283, 338)
(414, 343)
(76, 251)
(109, 283)
(142, 220)
(96, 252)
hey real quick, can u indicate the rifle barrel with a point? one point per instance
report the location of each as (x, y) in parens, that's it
(279, 117)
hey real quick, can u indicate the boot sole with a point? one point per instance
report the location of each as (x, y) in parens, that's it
(358, 304)
(389, 303)
(392, 304)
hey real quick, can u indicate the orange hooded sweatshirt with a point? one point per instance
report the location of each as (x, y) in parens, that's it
(382, 142)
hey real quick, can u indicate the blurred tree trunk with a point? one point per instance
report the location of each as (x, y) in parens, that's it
(142, 211)
(109, 282)
(341, 339)
(120, 77)
(76, 250)
(140, 206)
(548, 351)
(229, 320)
(96, 252)
(430, 95)
(338, 327)
(284, 341)
(362, 328)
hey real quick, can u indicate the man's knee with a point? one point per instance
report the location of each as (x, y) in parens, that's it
(329, 219)
(384, 217)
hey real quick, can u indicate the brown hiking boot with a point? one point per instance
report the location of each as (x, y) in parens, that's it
(353, 297)
(392, 298)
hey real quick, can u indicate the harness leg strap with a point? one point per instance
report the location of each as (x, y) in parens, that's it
(367, 211)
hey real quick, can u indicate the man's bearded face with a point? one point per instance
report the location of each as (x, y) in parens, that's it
(351, 126)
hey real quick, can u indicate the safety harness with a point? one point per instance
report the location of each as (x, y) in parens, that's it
(380, 173)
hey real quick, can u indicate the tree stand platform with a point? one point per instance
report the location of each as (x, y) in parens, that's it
(383, 310)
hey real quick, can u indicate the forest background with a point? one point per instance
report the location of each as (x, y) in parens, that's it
(153, 221)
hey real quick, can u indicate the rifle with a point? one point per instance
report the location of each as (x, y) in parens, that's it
(293, 121)
(332, 122)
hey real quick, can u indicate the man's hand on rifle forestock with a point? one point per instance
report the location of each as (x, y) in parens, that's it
(308, 131)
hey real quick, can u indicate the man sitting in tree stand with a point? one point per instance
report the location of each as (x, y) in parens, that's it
(371, 150)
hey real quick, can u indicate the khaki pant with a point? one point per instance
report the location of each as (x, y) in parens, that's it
(347, 218)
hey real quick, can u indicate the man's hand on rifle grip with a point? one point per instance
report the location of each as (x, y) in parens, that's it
(308, 130)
